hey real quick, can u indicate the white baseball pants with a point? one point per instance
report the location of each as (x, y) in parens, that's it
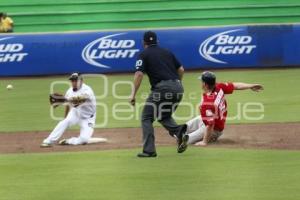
(73, 118)
(196, 129)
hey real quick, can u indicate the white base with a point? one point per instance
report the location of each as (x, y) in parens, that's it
(97, 140)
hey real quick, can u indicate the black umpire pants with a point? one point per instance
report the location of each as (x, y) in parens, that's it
(161, 103)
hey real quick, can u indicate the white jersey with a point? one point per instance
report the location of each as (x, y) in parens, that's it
(88, 108)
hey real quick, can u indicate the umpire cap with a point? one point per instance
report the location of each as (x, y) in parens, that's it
(150, 37)
(75, 76)
(208, 77)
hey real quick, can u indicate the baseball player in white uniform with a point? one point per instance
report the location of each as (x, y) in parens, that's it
(82, 113)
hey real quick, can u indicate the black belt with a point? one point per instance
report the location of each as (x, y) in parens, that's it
(171, 80)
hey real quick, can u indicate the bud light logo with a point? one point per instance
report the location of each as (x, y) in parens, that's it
(226, 44)
(107, 48)
(11, 52)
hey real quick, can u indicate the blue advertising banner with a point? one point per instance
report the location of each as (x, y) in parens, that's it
(116, 51)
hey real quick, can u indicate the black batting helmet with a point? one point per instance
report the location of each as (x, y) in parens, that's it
(208, 77)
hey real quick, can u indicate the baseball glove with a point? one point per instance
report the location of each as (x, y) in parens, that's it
(57, 99)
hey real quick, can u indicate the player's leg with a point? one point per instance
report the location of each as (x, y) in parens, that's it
(194, 124)
(170, 98)
(148, 117)
(60, 128)
(198, 134)
(86, 132)
(170, 124)
(172, 93)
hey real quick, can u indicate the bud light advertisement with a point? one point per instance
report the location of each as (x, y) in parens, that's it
(116, 51)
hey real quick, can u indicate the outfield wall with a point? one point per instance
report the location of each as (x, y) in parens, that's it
(75, 15)
(116, 51)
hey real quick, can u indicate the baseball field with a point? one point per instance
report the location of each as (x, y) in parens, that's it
(256, 158)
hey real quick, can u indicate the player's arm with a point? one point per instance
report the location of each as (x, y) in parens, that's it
(207, 135)
(180, 72)
(207, 112)
(138, 78)
(245, 86)
(178, 66)
(67, 109)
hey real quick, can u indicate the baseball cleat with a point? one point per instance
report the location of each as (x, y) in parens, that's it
(45, 145)
(63, 142)
(147, 155)
(181, 143)
(184, 143)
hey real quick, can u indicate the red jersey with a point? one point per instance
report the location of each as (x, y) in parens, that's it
(213, 107)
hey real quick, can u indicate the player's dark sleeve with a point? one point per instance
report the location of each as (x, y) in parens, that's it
(176, 61)
(140, 64)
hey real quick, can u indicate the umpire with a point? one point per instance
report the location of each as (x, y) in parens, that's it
(165, 73)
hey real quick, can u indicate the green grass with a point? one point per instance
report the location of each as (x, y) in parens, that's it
(206, 174)
(26, 107)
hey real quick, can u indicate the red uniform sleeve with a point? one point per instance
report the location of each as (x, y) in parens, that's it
(207, 114)
(228, 88)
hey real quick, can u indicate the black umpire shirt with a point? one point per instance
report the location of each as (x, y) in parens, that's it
(158, 63)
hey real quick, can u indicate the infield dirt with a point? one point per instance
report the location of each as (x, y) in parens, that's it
(256, 136)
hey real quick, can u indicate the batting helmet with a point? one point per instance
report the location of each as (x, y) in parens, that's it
(208, 77)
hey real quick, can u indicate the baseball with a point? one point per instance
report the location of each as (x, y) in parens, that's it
(9, 87)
